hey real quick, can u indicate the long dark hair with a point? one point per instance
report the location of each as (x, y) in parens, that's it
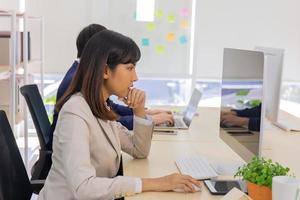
(104, 48)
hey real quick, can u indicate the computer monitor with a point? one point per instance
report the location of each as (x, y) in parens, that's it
(273, 78)
(242, 95)
(273, 64)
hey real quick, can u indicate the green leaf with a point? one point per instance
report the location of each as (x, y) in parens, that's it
(261, 171)
(242, 92)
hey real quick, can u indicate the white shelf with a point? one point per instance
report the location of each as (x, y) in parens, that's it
(15, 71)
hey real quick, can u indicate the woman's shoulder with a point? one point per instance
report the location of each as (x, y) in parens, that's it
(76, 104)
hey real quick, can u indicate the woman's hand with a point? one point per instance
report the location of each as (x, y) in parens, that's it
(163, 117)
(234, 120)
(136, 100)
(157, 111)
(231, 112)
(171, 182)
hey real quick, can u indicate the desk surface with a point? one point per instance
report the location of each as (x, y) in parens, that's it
(204, 128)
(161, 162)
(203, 138)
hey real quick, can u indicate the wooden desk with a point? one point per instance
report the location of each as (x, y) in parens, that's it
(161, 162)
(203, 138)
(283, 147)
(204, 128)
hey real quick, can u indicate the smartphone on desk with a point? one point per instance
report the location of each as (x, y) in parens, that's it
(222, 187)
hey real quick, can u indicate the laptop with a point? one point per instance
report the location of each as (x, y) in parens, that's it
(183, 121)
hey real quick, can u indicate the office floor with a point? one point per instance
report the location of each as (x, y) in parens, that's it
(172, 92)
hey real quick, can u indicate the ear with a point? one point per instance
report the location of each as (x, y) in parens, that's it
(106, 72)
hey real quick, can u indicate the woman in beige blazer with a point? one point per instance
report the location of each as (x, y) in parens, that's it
(88, 141)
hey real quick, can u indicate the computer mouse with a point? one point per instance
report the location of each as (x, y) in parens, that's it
(197, 189)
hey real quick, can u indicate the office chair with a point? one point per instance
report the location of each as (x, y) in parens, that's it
(14, 181)
(42, 125)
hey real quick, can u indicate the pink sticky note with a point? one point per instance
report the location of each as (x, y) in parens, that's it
(184, 12)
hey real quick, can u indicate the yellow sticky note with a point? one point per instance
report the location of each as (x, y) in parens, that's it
(184, 24)
(159, 14)
(171, 18)
(170, 37)
(151, 26)
(160, 49)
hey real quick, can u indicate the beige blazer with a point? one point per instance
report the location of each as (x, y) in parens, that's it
(86, 157)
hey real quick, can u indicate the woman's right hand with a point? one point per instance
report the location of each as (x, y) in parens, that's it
(136, 100)
(171, 182)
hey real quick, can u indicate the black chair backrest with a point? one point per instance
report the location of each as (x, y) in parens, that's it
(14, 182)
(38, 113)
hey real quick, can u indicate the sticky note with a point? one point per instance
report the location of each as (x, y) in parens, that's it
(184, 12)
(159, 14)
(151, 26)
(145, 42)
(184, 24)
(182, 39)
(171, 18)
(160, 49)
(170, 37)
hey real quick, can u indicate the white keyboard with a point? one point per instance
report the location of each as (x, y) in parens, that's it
(197, 167)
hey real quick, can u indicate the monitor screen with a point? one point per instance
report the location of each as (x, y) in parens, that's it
(241, 101)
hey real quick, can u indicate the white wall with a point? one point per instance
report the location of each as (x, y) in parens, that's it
(219, 24)
(62, 22)
(7, 5)
(245, 24)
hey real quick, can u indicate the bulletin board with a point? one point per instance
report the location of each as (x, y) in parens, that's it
(165, 42)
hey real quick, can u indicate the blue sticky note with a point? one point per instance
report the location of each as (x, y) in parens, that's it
(182, 39)
(145, 42)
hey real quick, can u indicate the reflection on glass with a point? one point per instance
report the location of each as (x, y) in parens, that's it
(241, 104)
(241, 100)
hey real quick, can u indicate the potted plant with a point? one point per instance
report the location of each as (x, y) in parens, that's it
(258, 174)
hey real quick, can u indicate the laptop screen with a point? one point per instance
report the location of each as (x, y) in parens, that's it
(192, 106)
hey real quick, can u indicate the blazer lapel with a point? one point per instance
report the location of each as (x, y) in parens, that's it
(107, 130)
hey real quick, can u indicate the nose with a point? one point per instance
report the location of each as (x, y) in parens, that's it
(134, 78)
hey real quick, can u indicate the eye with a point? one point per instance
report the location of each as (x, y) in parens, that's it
(130, 68)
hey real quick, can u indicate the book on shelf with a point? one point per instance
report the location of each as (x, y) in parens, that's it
(5, 47)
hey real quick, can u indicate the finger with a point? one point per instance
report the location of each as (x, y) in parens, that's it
(133, 98)
(129, 97)
(169, 119)
(184, 180)
(183, 187)
(142, 98)
(138, 98)
(188, 186)
(195, 182)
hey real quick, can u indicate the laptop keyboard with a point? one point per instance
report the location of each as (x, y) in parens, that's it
(178, 123)
(197, 167)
